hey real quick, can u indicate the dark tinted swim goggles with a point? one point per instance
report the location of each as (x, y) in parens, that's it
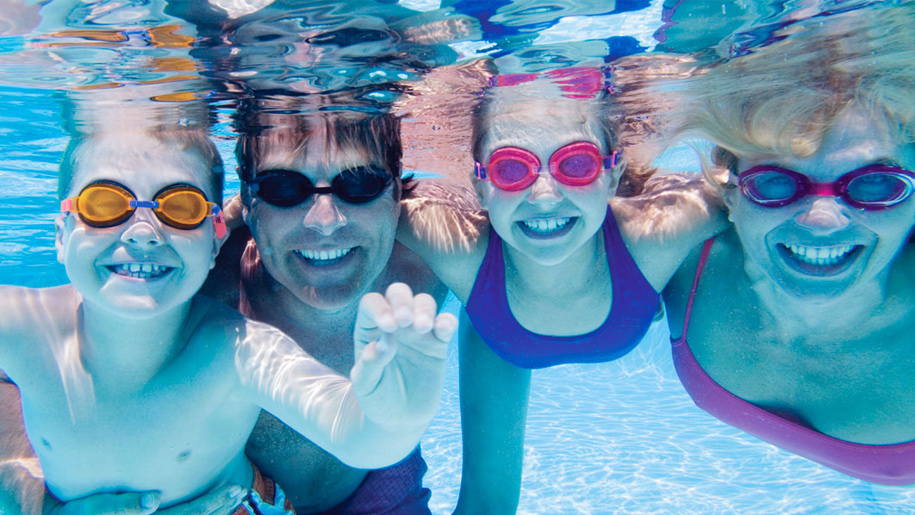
(515, 168)
(872, 188)
(285, 188)
(107, 204)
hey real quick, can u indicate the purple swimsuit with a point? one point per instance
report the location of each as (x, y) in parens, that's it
(885, 464)
(634, 306)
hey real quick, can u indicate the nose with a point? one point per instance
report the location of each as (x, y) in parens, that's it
(323, 215)
(545, 190)
(142, 230)
(824, 215)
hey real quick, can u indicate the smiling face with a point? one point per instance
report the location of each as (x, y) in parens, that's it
(142, 266)
(819, 246)
(547, 221)
(324, 251)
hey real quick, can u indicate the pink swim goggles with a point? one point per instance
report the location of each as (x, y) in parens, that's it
(576, 164)
(871, 188)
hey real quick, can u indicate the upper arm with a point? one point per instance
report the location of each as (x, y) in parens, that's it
(675, 213)
(442, 222)
(24, 313)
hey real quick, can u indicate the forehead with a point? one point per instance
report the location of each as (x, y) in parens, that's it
(140, 162)
(541, 126)
(297, 151)
(855, 140)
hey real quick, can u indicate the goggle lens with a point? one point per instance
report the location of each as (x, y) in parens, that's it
(879, 188)
(771, 186)
(509, 171)
(104, 205)
(182, 207)
(581, 165)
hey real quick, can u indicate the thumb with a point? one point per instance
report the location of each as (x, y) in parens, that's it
(367, 373)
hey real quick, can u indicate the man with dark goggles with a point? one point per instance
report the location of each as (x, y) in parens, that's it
(107, 204)
(872, 188)
(575, 164)
(286, 188)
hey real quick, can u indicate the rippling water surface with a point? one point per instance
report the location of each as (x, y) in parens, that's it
(620, 437)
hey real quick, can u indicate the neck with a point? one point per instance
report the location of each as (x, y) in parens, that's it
(826, 318)
(117, 348)
(326, 334)
(573, 274)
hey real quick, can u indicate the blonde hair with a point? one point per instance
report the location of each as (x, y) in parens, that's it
(783, 98)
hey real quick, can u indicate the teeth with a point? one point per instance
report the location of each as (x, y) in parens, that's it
(546, 225)
(140, 271)
(820, 256)
(323, 255)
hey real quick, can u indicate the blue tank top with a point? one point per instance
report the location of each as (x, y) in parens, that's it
(633, 308)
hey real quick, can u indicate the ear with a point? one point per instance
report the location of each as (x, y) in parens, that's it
(484, 192)
(60, 236)
(615, 174)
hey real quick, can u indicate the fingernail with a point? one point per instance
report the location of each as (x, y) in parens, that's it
(234, 491)
(149, 500)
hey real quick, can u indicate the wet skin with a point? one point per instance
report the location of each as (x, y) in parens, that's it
(829, 329)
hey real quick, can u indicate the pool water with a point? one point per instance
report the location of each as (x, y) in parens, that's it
(619, 437)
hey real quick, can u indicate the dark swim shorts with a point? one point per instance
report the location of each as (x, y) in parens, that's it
(395, 490)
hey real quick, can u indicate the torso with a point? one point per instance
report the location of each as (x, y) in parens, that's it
(851, 381)
(168, 434)
(314, 480)
(601, 321)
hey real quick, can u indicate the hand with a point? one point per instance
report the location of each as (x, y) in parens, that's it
(401, 349)
(221, 501)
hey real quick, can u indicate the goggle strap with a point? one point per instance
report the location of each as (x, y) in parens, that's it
(219, 222)
(480, 171)
(610, 161)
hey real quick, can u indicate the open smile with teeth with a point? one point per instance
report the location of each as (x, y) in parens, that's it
(821, 256)
(140, 270)
(546, 225)
(324, 257)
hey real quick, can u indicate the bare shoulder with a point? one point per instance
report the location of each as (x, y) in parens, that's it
(408, 267)
(23, 308)
(671, 206)
(32, 320)
(443, 215)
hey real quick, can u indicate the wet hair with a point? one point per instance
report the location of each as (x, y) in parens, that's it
(784, 98)
(512, 101)
(377, 133)
(182, 140)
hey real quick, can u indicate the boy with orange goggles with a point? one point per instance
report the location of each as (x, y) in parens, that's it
(136, 384)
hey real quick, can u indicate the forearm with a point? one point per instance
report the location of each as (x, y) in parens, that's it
(321, 405)
(494, 399)
(22, 487)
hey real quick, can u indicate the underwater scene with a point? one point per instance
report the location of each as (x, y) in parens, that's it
(279, 257)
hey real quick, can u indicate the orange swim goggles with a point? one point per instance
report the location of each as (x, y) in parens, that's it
(107, 204)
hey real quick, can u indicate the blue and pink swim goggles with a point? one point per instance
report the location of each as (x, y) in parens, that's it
(872, 188)
(575, 164)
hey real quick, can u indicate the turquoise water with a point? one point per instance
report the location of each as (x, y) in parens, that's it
(620, 437)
